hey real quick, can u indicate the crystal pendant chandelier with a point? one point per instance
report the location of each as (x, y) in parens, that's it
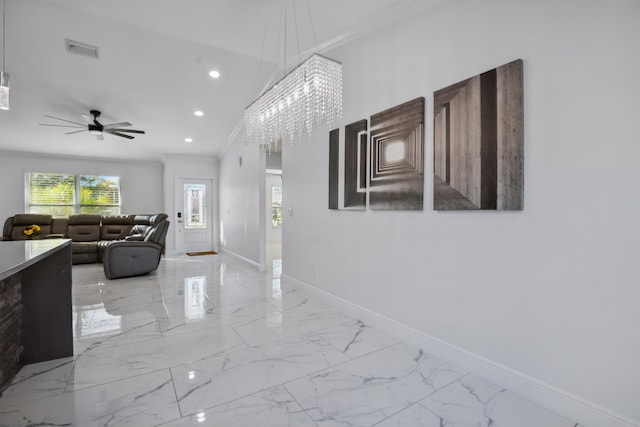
(311, 94)
(308, 96)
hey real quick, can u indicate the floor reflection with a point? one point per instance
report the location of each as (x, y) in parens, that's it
(93, 321)
(276, 290)
(195, 298)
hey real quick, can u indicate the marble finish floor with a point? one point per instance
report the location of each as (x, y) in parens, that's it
(210, 341)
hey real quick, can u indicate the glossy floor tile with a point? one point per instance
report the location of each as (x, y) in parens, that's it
(211, 341)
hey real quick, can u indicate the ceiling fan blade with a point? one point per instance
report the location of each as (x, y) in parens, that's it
(64, 120)
(75, 131)
(113, 132)
(116, 125)
(127, 130)
(63, 126)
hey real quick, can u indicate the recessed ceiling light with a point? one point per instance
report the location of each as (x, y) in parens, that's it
(214, 74)
(199, 113)
(188, 140)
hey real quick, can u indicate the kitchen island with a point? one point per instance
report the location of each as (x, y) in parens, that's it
(35, 304)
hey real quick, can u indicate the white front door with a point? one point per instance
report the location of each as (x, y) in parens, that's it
(194, 221)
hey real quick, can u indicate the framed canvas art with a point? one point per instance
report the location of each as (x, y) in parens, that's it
(478, 140)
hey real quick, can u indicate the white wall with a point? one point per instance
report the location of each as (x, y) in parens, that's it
(242, 194)
(184, 166)
(140, 181)
(551, 292)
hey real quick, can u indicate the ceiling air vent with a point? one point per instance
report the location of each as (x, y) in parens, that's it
(81, 48)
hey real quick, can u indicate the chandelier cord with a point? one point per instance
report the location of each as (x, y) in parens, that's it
(284, 62)
(264, 41)
(313, 29)
(4, 31)
(295, 20)
(263, 48)
(283, 16)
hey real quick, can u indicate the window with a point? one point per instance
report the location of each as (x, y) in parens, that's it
(276, 206)
(62, 195)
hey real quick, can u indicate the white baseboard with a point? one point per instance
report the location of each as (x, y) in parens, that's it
(587, 413)
(247, 260)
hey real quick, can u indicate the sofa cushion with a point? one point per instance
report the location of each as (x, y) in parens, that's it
(84, 233)
(158, 218)
(84, 252)
(22, 221)
(142, 219)
(30, 219)
(101, 246)
(59, 226)
(84, 228)
(141, 225)
(85, 219)
(116, 227)
(8, 228)
(158, 232)
(84, 247)
(134, 238)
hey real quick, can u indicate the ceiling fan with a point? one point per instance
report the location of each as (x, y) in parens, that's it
(96, 128)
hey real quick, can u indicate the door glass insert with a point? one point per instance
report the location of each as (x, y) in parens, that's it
(195, 206)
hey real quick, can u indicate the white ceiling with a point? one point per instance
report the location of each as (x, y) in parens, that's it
(154, 59)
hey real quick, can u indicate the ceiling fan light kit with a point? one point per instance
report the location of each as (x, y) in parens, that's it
(94, 130)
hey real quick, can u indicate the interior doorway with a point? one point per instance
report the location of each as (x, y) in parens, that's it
(273, 208)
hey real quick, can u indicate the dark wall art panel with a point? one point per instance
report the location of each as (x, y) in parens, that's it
(355, 165)
(479, 142)
(397, 157)
(383, 161)
(334, 152)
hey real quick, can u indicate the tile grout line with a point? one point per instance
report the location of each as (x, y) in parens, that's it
(283, 385)
(175, 393)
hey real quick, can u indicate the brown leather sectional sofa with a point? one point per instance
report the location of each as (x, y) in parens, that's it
(127, 245)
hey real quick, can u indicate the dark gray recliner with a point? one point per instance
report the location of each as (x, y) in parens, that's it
(140, 252)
